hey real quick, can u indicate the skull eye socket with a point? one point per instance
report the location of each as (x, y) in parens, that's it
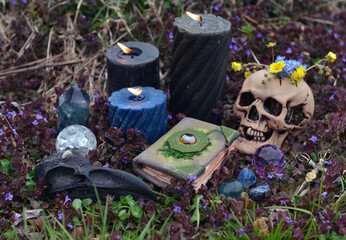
(246, 99)
(295, 115)
(272, 106)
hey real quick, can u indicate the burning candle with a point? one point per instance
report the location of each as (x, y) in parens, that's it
(132, 64)
(200, 52)
(143, 108)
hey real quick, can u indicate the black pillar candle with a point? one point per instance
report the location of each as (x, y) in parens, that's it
(200, 52)
(140, 67)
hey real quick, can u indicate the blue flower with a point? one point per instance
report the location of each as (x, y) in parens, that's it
(289, 51)
(35, 122)
(1, 132)
(8, 196)
(289, 221)
(106, 165)
(192, 178)
(170, 36)
(21, 113)
(169, 117)
(14, 131)
(283, 202)
(241, 231)
(177, 209)
(67, 199)
(324, 194)
(217, 7)
(70, 225)
(259, 35)
(96, 96)
(270, 175)
(313, 138)
(10, 115)
(60, 216)
(225, 214)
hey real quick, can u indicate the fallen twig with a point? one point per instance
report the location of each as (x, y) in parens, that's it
(6, 73)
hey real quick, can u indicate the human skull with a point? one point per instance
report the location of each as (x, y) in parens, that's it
(270, 110)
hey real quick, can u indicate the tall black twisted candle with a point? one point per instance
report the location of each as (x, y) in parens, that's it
(138, 67)
(198, 72)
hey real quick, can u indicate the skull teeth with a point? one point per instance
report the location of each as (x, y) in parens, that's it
(254, 135)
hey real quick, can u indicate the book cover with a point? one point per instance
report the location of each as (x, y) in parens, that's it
(192, 147)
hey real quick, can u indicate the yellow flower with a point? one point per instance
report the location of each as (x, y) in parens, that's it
(276, 67)
(246, 74)
(331, 57)
(271, 44)
(298, 74)
(236, 66)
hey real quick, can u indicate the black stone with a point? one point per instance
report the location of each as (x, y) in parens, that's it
(259, 193)
(129, 70)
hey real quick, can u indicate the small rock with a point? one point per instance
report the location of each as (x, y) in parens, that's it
(247, 177)
(231, 188)
(259, 193)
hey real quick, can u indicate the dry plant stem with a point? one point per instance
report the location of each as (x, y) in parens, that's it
(42, 60)
(38, 67)
(340, 198)
(84, 75)
(317, 20)
(249, 18)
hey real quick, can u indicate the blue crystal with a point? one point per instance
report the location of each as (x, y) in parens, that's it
(73, 107)
(231, 188)
(259, 193)
(247, 177)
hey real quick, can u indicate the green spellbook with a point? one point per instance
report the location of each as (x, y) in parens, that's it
(192, 149)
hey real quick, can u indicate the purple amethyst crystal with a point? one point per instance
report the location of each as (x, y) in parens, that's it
(268, 155)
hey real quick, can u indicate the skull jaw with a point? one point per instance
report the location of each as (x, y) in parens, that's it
(249, 147)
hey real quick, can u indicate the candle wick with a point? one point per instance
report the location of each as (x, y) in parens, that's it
(200, 21)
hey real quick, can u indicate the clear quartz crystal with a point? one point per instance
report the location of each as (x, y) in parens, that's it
(76, 137)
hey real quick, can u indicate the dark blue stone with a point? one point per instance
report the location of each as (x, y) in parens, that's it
(247, 177)
(148, 115)
(259, 193)
(231, 188)
(73, 107)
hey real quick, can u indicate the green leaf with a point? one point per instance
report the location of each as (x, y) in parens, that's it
(30, 184)
(292, 208)
(196, 217)
(5, 165)
(123, 214)
(77, 203)
(137, 212)
(87, 202)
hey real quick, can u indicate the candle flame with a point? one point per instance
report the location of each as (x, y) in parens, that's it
(135, 91)
(125, 49)
(194, 16)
